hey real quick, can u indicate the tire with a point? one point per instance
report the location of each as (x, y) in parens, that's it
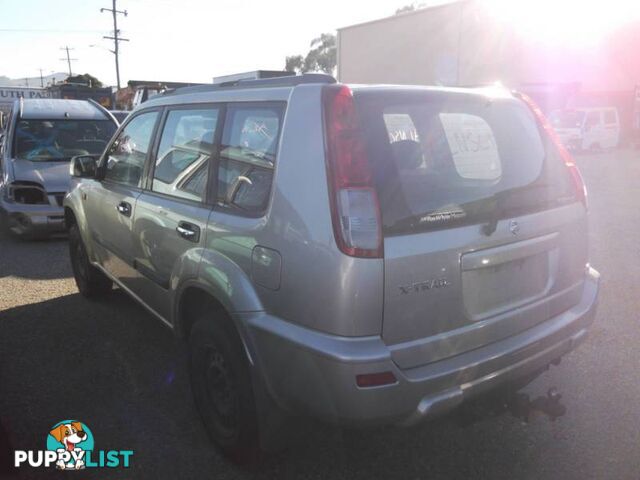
(222, 388)
(4, 226)
(91, 282)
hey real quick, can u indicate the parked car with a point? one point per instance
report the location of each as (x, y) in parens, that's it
(41, 136)
(587, 128)
(364, 255)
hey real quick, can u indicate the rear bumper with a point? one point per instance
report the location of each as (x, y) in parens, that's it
(314, 373)
(28, 220)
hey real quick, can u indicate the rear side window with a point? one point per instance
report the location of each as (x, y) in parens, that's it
(127, 154)
(567, 119)
(248, 156)
(186, 145)
(448, 160)
(593, 119)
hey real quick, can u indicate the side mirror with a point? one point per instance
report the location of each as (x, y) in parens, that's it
(83, 166)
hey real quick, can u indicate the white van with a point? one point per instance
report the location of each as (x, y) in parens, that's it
(587, 128)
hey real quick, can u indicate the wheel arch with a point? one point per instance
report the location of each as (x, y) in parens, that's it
(69, 217)
(222, 281)
(192, 298)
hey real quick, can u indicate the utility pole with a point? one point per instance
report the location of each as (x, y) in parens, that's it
(116, 35)
(68, 59)
(41, 79)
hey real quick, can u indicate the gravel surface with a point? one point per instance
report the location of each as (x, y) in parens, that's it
(121, 372)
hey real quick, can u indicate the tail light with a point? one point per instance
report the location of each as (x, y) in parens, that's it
(574, 172)
(576, 176)
(355, 210)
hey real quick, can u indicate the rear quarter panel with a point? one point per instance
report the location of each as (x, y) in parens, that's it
(319, 287)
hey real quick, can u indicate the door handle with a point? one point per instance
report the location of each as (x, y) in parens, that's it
(124, 208)
(188, 231)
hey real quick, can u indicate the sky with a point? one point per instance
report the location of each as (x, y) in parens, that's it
(170, 40)
(195, 40)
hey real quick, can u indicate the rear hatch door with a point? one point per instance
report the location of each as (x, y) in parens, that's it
(483, 234)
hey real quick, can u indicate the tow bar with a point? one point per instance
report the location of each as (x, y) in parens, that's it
(518, 404)
(522, 407)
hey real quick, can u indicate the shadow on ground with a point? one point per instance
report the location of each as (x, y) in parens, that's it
(116, 368)
(43, 259)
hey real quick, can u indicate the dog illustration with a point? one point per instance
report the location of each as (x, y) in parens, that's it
(69, 434)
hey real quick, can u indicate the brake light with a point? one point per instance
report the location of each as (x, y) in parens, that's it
(574, 171)
(576, 176)
(355, 210)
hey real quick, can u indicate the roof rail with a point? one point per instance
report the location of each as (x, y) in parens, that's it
(100, 107)
(287, 81)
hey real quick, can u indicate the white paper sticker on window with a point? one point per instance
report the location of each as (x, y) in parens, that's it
(400, 127)
(472, 145)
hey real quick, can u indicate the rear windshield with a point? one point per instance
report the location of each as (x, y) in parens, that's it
(444, 160)
(59, 140)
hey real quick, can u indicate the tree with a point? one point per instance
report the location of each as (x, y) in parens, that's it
(322, 57)
(86, 79)
(410, 8)
(294, 63)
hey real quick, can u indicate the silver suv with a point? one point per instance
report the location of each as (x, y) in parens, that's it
(365, 255)
(41, 136)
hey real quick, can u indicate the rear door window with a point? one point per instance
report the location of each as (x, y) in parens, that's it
(186, 146)
(248, 156)
(443, 160)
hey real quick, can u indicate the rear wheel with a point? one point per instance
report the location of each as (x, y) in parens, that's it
(222, 389)
(91, 282)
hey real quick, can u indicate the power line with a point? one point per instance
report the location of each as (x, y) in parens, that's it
(116, 36)
(68, 59)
